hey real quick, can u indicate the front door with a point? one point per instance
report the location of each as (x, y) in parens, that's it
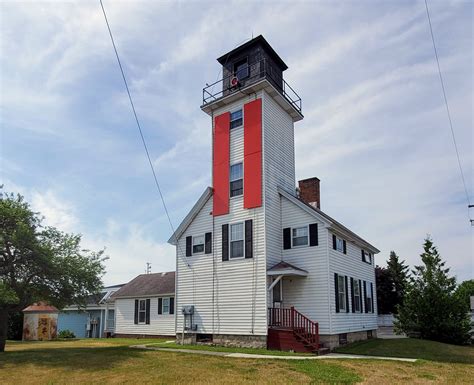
(277, 295)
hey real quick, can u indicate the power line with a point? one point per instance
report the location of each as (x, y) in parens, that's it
(137, 121)
(446, 103)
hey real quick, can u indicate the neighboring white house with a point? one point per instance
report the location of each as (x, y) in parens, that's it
(144, 307)
(257, 261)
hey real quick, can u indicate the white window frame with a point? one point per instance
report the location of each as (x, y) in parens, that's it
(230, 122)
(367, 257)
(234, 180)
(357, 298)
(339, 242)
(368, 302)
(142, 311)
(203, 244)
(307, 236)
(342, 304)
(163, 305)
(230, 240)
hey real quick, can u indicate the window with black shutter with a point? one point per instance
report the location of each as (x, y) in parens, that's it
(225, 242)
(249, 238)
(336, 291)
(147, 312)
(135, 316)
(287, 238)
(313, 234)
(189, 245)
(208, 240)
(347, 294)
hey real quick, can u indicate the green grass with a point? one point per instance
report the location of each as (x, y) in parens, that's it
(226, 349)
(412, 348)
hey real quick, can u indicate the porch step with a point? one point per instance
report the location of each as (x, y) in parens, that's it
(284, 339)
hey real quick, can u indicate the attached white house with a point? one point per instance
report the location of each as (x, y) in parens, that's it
(258, 262)
(145, 307)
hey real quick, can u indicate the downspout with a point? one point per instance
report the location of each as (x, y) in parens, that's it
(329, 280)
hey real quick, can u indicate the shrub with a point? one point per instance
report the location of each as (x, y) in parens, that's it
(66, 334)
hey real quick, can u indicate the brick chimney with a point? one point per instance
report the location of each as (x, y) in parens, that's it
(310, 192)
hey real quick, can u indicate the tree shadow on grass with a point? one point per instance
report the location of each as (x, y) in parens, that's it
(90, 358)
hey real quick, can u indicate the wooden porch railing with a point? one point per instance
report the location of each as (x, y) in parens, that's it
(292, 319)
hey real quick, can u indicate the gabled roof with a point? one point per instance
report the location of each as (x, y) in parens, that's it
(329, 221)
(147, 285)
(191, 215)
(285, 268)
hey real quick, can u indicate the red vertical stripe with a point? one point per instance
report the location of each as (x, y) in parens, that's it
(253, 154)
(221, 166)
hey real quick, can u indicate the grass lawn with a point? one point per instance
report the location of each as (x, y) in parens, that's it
(412, 348)
(111, 361)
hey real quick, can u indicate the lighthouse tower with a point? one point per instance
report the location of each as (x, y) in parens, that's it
(233, 234)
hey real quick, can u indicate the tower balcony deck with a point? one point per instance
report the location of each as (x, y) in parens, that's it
(253, 78)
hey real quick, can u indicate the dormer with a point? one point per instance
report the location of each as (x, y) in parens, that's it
(249, 68)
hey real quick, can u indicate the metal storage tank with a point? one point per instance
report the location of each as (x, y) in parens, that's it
(40, 322)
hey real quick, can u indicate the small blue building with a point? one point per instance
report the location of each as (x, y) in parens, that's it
(96, 320)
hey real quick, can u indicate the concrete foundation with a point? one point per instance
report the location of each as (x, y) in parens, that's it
(241, 341)
(335, 340)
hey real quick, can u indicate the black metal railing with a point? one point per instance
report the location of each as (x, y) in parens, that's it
(254, 72)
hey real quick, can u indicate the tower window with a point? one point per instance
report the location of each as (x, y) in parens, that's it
(236, 180)
(237, 240)
(241, 69)
(235, 119)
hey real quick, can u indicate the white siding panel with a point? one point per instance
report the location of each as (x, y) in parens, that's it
(307, 294)
(351, 265)
(229, 296)
(160, 324)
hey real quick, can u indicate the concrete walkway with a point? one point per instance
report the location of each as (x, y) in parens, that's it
(271, 357)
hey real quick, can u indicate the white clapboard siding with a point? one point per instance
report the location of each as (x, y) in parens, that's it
(309, 295)
(229, 296)
(160, 324)
(278, 171)
(351, 265)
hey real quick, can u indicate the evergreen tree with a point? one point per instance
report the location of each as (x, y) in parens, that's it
(431, 310)
(398, 272)
(385, 294)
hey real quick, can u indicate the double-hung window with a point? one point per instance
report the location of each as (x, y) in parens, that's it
(339, 245)
(166, 306)
(142, 311)
(236, 179)
(237, 240)
(341, 283)
(367, 257)
(357, 300)
(198, 244)
(300, 236)
(236, 119)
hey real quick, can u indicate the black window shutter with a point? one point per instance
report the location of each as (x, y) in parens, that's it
(248, 238)
(363, 256)
(352, 295)
(334, 245)
(344, 248)
(160, 305)
(365, 297)
(313, 234)
(360, 295)
(225, 242)
(287, 238)
(347, 295)
(189, 241)
(135, 316)
(208, 243)
(372, 296)
(147, 312)
(336, 289)
(171, 305)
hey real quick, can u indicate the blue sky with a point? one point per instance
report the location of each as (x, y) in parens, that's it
(375, 130)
